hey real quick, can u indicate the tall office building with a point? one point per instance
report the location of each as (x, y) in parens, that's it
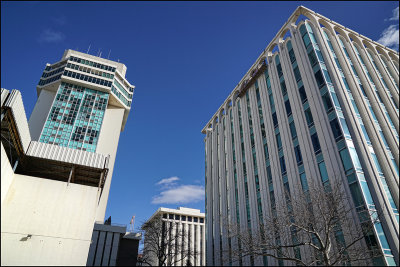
(58, 166)
(186, 230)
(319, 106)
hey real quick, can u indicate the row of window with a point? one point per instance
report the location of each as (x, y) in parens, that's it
(122, 89)
(48, 74)
(92, 64)
(87, 78)
(120, 96)
(50, 80)
(182, 218)
(89, 70)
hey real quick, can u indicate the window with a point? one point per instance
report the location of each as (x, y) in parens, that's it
(292, 56)
(337, 132)
(312, 57)
(171, 216)
(279, 69)
(306, 40)
(177, 217)
(183, 218)
(303, 94)
(303, 180)
(274, 119)
(293, 130)
(164, 216)
(288, 108)
(196, 219)
(278, 141)
(319, 78)
(283, 165)
(309, 117)
(326, 99)
(283, 88)
(344, 127)
(315, 143)
(356, 195)
(297, 74)
(201, 220)
(323, 172)
(189, 218)
(297, 152)
(271, 100)
(346, 160)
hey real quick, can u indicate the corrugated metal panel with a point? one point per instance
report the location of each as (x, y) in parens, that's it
(4, 94)
(14, 102)
(66, 154)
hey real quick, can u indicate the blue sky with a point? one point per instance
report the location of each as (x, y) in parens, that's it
(184, 59)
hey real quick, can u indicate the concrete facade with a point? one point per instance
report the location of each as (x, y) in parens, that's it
(319, 106)
(191, 221)
(54, 191)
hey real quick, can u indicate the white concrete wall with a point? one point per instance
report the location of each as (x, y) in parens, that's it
(7, 174)
(40, 113)
(59, 217)
(108, 144)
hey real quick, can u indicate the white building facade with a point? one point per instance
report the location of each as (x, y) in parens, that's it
(58, 166)
(319, 106)
(189, 222)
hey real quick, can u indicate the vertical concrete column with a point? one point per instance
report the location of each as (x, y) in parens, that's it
(179, 246)
(379, 86)
(107, 249)
(198, 244)
(215, 179)
(100, 246)
(385, 73)
(378, 111)
(114, 250)
(191, 244)
(209, 191)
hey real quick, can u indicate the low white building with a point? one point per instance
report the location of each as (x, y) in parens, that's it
(189, 223)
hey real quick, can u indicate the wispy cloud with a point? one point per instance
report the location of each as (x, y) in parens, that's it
(51, 36)
(180, 195)
(166, 181)
(60, 20)
(390, 35)
(395, 15)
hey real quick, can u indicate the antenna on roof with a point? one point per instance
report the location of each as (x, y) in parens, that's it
(98, 52)
(109, 54)
(118, 60)
(88, 49)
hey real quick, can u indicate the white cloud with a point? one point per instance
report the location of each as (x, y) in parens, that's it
(395, 14)
(390, 37)
(167, 181)
(180, 195)
(50, 36)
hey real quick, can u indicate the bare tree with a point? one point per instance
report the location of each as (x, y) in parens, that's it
(317, 226)
(165, 243)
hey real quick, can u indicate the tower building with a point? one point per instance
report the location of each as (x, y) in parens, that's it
(58, 166)
(319, 106)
